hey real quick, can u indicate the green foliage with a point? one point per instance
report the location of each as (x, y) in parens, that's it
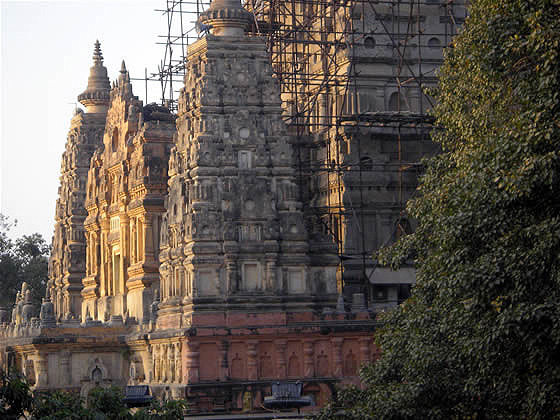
(59, 406)
(15, 396)
(480, 336)
(18, 402)
(22, 260)
(167, 410)
(107, 403)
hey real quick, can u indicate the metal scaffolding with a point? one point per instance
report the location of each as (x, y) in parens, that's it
(353, 77)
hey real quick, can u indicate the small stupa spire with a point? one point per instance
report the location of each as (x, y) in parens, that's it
(96, 97)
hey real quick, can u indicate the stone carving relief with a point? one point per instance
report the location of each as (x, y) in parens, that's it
(167, 362)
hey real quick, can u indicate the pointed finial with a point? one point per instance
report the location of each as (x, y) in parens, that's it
(123, 77)
(96, 97)
(97, 56)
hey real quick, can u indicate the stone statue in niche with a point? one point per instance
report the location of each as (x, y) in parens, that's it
(293, 366)
(29, 372)
(247, 401)
(236, 367)
(266, 366)
(96, 375)
(171, 365)
(178, 363)
(350, 364)
(322, 364)
(154, 306)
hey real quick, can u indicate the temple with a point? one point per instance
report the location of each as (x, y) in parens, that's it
(189, 255)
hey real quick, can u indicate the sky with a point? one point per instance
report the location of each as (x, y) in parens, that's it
(46, 53)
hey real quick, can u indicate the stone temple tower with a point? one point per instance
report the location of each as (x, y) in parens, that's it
(67, 262)
(201, 279)
(234, 237)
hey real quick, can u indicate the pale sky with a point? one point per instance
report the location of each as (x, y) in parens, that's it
(46, 53)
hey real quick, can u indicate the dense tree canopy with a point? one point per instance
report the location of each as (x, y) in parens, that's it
(480, 336)
(25, 259)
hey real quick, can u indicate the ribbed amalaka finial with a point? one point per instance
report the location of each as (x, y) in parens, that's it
(96, 97)
(226, 18)
(97, 56)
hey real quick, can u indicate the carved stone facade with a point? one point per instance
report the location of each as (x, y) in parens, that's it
(201, 274)
(126, 188)
(234, 235)
(67, 261)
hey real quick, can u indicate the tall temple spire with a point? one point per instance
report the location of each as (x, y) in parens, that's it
(96, 97)
(226, 18)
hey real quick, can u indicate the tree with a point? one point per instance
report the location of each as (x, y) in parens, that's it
(22, 260)
(480, 335)
(15, 396)
(17, 401)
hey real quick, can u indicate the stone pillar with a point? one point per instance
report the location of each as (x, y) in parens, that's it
(308, 365)
(337, 356)
(157, 364)
(125, 256)
(164, 363)
(271, 273)
(281, 358)
(149, 242)
(252, 361)
(89, 253)
(103, 272)
(132, 228)
(171, 358)
(65, 368)
(95, 253)
(323, 112)
(192, 357)
(231, 276)
(42, 370)
(140, 240)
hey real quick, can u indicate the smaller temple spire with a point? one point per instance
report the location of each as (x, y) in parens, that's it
(123, 76)
(123, 80)
(96, 97)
